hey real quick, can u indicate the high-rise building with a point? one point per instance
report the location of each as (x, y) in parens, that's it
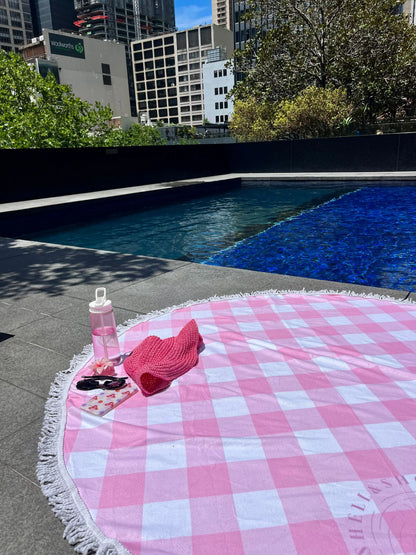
(222, 13)
(124, 20)
(53, 14)
(168, 73)
(15, 24)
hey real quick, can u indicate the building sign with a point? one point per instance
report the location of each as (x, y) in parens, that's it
(66, 46)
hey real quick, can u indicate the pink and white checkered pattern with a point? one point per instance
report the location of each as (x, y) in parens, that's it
(295, 433)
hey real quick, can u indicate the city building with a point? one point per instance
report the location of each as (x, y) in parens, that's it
(15, 24)
(124, 20)
(222, 13)
(95, 69)
(409, 7)
(218, 81)
(168, 73)
(52, 14)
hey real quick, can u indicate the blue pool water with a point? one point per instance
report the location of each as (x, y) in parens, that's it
(351, 235)
(366, 237)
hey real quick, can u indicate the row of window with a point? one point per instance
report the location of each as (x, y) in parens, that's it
(221, 105)
(194, 107)
(192, 67)
(220, 90)
(158, 53)
(187, 119)
(221, 119)
(220, 73)
(146, 45)
(194, 98)
(163, 103)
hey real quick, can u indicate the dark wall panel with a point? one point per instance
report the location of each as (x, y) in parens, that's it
(38, 173)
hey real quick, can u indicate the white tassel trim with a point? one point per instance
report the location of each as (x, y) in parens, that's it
(56, 483)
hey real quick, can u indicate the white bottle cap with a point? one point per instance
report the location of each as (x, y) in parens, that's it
(101, 303)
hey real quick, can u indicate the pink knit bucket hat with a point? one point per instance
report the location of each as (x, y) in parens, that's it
(156, 362)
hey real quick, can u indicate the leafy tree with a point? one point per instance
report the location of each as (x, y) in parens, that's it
(315, 112)
(39, 113)
(363, 46)
(253, 120)
(137, 135)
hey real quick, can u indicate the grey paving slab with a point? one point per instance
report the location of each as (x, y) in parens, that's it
(198, 281)
(18, 408)
(21, 448)
(30, 367)
(12, 317)
(56, 334)
(28, 525)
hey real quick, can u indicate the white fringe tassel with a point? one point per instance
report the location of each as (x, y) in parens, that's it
(56, 483)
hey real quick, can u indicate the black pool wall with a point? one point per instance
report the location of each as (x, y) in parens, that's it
(37, 173)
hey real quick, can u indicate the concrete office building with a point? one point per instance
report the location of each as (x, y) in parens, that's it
(96, 70)
(52, 14)
(218, 81)
(222, 13)
(15, 24)
(168, 73)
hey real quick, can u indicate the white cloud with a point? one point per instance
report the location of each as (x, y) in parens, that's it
(191, 15)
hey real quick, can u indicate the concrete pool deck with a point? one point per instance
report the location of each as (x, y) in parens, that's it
(44, 294)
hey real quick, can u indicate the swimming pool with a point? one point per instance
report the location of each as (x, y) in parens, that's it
(340, 233)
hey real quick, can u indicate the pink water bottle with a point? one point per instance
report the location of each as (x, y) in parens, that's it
(103, 327)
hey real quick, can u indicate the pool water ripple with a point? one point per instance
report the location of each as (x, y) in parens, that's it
(365, 237)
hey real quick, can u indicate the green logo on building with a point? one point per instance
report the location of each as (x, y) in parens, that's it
(66, 46)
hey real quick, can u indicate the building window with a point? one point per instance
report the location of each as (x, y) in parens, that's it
(193, 38)
(184, 88)
(181, 41)
(193, 67)
(105, 68)
(206, 35)
(193, 55)
(181, 57)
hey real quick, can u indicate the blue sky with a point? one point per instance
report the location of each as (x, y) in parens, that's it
(192, 12)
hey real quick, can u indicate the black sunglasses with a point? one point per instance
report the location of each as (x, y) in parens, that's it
(93, 382)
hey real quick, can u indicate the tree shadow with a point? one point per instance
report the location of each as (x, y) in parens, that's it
(29, 267)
